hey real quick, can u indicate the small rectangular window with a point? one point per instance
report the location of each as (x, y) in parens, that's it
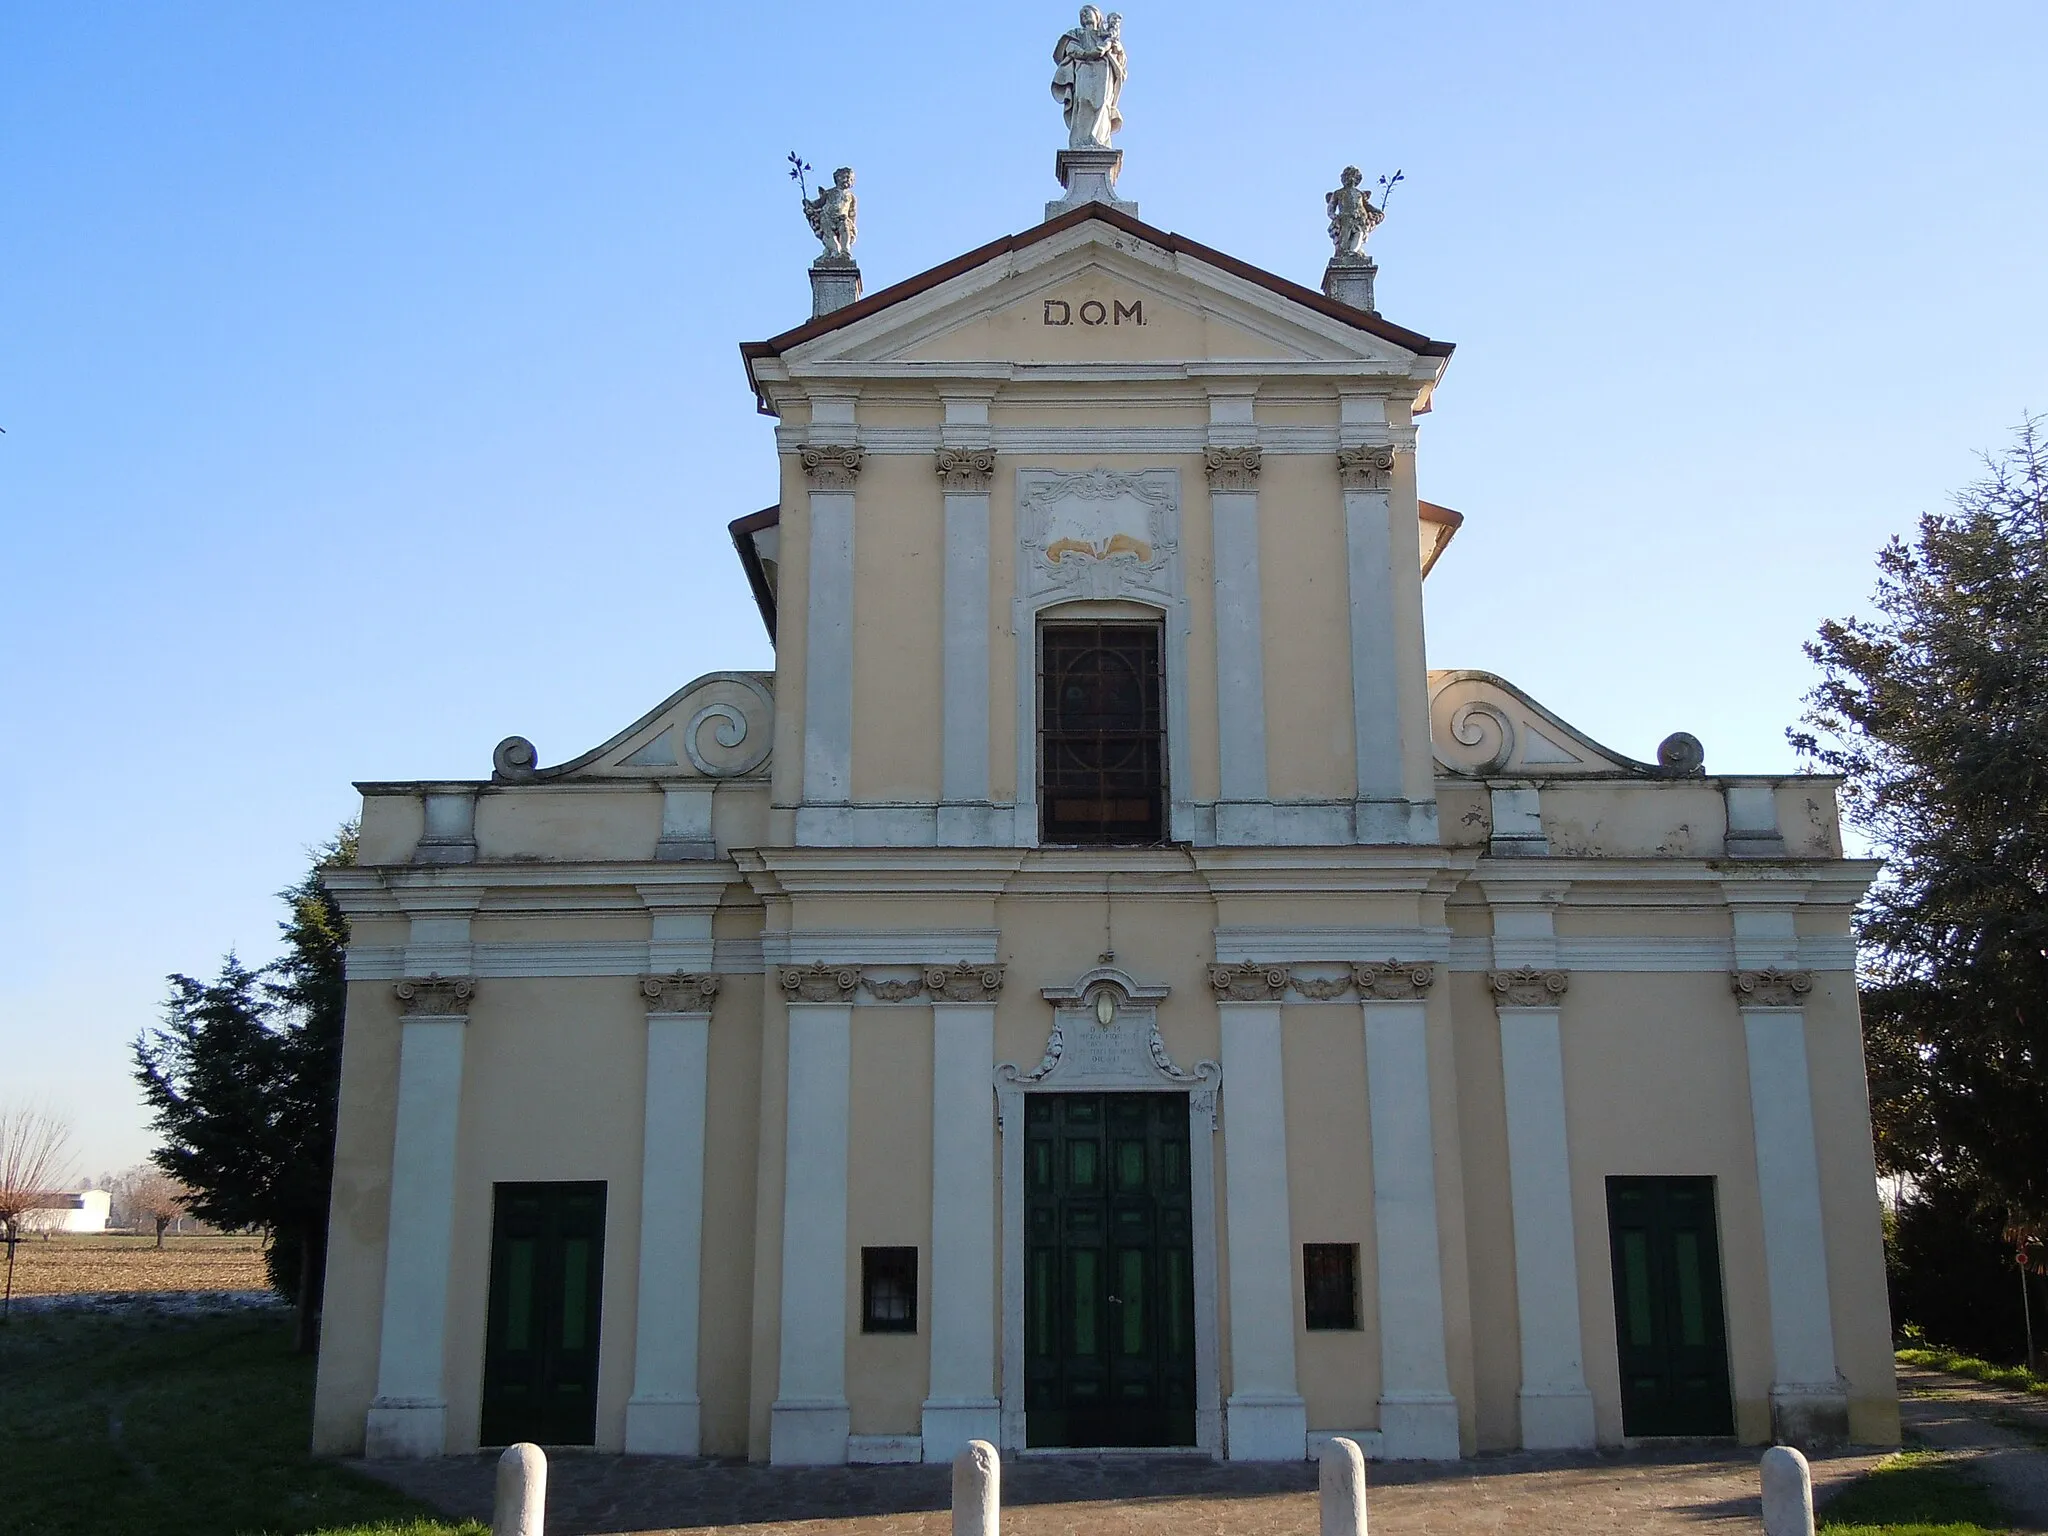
(1102, 738)
(1329, 1278)
(888, 1290)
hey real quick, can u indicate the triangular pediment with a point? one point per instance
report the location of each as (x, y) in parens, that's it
(1094, 293)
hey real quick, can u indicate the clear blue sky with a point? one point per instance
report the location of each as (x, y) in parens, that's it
(370, 386)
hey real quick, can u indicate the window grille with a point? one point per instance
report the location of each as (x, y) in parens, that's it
(1102, 747)
(888, 1290)
(1329, 1278)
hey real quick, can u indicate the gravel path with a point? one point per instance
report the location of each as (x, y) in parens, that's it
(1999, 1435)
(1694, 1489)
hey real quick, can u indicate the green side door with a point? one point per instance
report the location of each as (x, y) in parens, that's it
(1109, 1311)
(540, 1348)
(1669, 1323)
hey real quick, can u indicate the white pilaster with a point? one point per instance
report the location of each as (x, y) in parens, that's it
(1557, 1408)
(1242, 814)
(1266, 1416)
(408, 1416)
(809, 1420)
(828, 638)
(963, 1405)
(663, 1414)
(1418, 1415)
(966, 818)
(1382, 806)
(1808, 1399)
(1528, 990)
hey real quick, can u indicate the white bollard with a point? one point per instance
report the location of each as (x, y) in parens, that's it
(522, 1503)
(1788, 1493)
(1340, 1487)
(977, 1491)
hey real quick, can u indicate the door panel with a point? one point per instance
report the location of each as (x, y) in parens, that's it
(542, 1328)
(1669, 1323)
(1109, 1265)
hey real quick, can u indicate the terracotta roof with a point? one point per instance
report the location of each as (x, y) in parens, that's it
(896, 293)
(1446, 520)
(743, 530)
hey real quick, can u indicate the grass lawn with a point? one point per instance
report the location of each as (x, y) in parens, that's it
(160, 1426)
(2019, 1378)
(1913, 1494)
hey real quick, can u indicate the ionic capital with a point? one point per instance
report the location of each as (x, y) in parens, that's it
(1770, 988)
(1248, 983)
(1528, 987)
(1232, 469)
(434, 996)
(682, 992)
(965, 469)
(1365, 469)
(831, 468)
(818, 983)
(963, 983)
(1393, 981)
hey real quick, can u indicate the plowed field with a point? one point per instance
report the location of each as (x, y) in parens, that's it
(63, 1266)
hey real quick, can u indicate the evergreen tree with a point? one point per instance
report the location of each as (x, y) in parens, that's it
(1935, 710)
(242, 1078)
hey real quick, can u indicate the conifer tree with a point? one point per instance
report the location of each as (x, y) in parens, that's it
(1935, 710)
(242, 1078)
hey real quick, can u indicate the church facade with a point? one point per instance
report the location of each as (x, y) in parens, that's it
(1102, 988)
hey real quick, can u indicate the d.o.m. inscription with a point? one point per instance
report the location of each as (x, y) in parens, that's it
(1094, 312)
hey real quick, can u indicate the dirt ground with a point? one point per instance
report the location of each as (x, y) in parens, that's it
(67, 1264)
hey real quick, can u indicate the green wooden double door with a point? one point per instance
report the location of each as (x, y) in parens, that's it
(1109, 1305)
(541, 1333)
(1670, 1327)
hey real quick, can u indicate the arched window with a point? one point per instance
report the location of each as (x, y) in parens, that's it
(1101, 730)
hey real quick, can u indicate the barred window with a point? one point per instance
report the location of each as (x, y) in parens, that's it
(1102, 747)
(888, 1290)
(1329, 1278)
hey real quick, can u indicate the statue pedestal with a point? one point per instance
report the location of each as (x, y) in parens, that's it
(835, 283)
(1089, 175)
(1350, 282)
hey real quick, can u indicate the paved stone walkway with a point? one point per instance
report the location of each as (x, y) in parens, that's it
(1691, 1488)
(1999, 1435)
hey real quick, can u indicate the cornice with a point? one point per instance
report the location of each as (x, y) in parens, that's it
(1681, 874)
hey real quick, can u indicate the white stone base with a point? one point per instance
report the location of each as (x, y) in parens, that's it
(1804, 1416)
(1367, 1441)
(948, 1426)
(1393, 821)
(975, 824)
(1289, 824)
(409, 1427)
(1419, 1428)
(1557, 1421)
(808, 1434)
(663, 1426)
(1089, 175)
(1266, 1428)
(883, 1450)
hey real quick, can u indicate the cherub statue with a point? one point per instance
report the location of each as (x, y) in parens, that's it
(1352, 216)
(832, 213)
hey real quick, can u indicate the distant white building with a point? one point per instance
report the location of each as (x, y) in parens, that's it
(62, 1211)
